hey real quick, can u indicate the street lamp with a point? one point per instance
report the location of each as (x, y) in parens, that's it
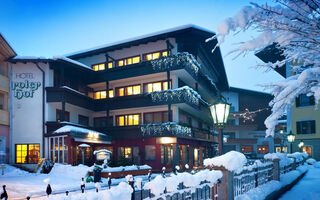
(291, 138)
(220, 112)
(301, 144)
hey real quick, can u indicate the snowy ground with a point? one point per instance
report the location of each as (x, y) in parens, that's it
(307, 188)
(21, 184)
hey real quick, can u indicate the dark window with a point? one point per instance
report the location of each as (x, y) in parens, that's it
(306, 127)
(2, 101)
(59, 116)
(304, 100)
(150, 152)
(101, 122)
(83, 120)
(155, 117)
(189, 121)
(166, 154)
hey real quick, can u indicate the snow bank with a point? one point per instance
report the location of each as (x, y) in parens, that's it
(317, 164)
(298, 156)
(126, 168)
(157, 185)
(10, 170)
(232, 161)
(69, 171)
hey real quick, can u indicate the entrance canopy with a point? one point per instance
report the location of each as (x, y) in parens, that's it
(84, 135)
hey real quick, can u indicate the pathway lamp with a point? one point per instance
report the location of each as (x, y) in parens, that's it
(291, 138)
(220, 111)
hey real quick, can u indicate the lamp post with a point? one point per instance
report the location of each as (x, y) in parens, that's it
(290, 138)
(220, 112)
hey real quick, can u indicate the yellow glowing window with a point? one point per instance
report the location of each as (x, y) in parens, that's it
(96, 95)
(165, 85)
(103, 94)
(164, 53)
(136, 119)
(127, 152)
(121, 121)
(120, 92)
(129, 90)
(156, 86)
(149, 87)
(111, 95)
(128, 61)
(137, 89)
(120, 63)
(27, 153)
(98, 67)
(149, 56)
(110, 65)
(136, 59)
(156, 55)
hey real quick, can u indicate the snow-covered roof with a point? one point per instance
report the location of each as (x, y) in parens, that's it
(70, 128)
(141, 37)
(71, 61)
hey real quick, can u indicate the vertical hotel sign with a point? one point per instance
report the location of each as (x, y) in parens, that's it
(26, 87)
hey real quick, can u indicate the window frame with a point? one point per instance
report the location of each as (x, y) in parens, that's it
(145, 85)
(310, 103)
(163, 113)
(299, 131)
(83, 117)
(260, 146)
(67, 117)
(126, 121)
(125, 90)
(27, 157)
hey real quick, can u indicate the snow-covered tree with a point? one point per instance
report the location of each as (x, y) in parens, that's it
(294, 27)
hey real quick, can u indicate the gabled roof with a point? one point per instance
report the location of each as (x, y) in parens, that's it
(142, 39)
(5, 48)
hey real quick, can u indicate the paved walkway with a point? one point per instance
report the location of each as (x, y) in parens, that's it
(308, 188)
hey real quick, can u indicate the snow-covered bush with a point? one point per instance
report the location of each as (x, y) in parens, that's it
(159, 129)
(232, 161)
(293, 28)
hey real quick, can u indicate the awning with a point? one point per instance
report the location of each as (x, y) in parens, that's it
(84, 135)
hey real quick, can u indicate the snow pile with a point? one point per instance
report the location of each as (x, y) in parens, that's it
(70, 128)
(73, 171)
(311, 161)
(298, 156)
(162, 128)
(10, 170)
(232, 161)
(171, 184)
(284, 160)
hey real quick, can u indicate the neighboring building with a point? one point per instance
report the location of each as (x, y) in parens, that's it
(143, 99)
(302, 117)
(248, 136)
(5, 52)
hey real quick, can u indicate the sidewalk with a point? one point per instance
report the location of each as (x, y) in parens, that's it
(308, 188)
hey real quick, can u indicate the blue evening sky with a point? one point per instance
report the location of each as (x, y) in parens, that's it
(57, 27)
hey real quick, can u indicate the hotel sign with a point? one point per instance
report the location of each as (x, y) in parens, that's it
(26, 87)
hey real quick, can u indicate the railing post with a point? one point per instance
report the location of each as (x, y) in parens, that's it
(275, 169)
(294, 164)
(225, 187)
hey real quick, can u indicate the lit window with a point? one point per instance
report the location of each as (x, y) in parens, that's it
(100, 95)
(111, 95)
(136, 59)
(120, 63)
(129, 90)
(98, 67)
(120, 92)
(27, 153)
(127, 152)
(137, 89)
(156, 86)
(263, 149)
(165, 85)
(129, 61)
(307, 149)
(155, 55)
(164, 53)
(110, 65)
(128, 120)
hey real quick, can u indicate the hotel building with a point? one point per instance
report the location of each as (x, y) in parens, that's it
(146, 99)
